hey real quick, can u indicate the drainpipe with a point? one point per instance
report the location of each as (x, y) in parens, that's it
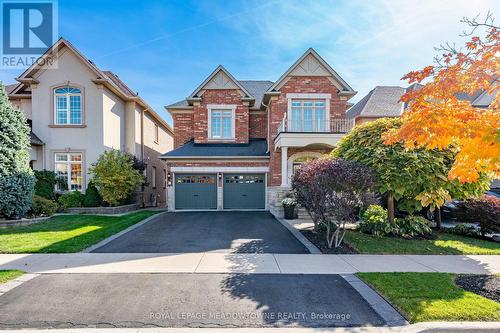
(142, 135)
(268, 127)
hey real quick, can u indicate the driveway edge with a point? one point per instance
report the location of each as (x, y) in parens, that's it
(121, 233)
(301, 238)
(11, 284)
(383, 308)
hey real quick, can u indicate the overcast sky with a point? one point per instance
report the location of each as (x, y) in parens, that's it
(165, 49)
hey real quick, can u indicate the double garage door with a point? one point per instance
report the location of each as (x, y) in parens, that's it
(239, 191)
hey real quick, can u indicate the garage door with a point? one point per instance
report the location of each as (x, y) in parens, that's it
(244, 191)
(195, 191)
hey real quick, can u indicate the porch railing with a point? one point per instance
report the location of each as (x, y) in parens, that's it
(315, 126)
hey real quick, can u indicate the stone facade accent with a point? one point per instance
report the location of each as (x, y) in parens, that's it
(104, 210)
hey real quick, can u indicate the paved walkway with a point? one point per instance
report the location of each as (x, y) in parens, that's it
(246, 263)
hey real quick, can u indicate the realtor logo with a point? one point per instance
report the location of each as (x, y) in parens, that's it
(28, 29)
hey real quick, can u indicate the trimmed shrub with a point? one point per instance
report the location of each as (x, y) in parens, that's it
(484, 210)
(463, 229)
(374, 221)
(412, 226)
(115, 177)
(71, 199)
(16, 194)
(43, 207)
(45, 183)
(92, 197)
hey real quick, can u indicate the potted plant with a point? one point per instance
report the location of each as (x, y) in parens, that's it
(289, 205)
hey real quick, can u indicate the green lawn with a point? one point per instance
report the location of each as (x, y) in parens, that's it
(432, 297)
(444, 244)
(66, 233)
(9, 275)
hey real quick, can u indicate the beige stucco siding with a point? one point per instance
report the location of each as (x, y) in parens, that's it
(113, 115)
(89, 139)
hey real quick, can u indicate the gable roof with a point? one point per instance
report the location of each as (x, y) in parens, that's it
(382, 101)
(107, 78)
(346, 88)
(213, 75)
(256, 88)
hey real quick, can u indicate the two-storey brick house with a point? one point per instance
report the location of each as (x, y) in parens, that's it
(237, 143)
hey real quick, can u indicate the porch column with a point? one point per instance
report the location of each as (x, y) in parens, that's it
(284, 166)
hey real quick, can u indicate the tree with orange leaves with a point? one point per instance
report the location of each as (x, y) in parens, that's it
(437, 117)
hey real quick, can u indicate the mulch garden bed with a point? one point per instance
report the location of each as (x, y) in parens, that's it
(319, 240)
(485, 285)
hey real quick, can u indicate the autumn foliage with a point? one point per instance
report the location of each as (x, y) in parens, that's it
(438, 115)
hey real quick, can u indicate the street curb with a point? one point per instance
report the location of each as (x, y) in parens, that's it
(121, 233)
(301, 238)
(383, 308)
(9, 285)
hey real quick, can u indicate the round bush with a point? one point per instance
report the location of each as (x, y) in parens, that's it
(16, 194)
(43, 207)
(92, 197)
(71, 199)
(374, 221)
(412, 226)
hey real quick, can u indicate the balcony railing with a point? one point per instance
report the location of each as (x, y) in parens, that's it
(315, 126)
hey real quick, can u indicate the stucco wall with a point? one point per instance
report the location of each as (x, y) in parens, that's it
(113, 116)
(87, 139)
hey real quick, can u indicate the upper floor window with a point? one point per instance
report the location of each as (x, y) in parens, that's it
(308, 115)
(221, 122)
(68, 106)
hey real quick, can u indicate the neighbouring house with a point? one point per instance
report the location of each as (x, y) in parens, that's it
(77, 111)
(237, 143)
(380, 102)
(385, 101)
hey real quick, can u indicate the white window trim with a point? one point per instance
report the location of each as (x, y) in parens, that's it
(68, 105)
(69, 162)
(326, 97)
(214, 107)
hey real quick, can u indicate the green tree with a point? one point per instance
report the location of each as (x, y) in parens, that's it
(415, 178)
(16, 177)
(115, 177)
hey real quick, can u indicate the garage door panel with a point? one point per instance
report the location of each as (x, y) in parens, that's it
(244, 191)
(195, 191)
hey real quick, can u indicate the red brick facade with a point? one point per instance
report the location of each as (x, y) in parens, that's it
(279, 105)
(256, 124)
(220, 96)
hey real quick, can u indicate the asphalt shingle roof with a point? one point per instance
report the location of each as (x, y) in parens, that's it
(254, 148)
(382, 101)
(35, 140)
(254, 87)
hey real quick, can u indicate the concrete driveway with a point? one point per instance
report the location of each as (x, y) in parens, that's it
(184, 300)
(234, 232)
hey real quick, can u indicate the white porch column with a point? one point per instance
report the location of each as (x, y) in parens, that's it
(284, 166)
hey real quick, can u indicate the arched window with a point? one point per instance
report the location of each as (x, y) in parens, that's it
(68, 106)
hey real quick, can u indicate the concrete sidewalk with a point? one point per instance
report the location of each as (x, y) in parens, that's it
(436, 327)
(247, 263)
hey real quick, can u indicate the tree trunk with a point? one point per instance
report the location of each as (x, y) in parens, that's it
(438, 218)
(390, 207)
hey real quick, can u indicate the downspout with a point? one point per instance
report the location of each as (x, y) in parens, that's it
(268, 127)
(142, 135)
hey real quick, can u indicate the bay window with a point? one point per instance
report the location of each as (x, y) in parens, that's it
(68, 166)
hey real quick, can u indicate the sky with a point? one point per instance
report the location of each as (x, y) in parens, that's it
(164, 49)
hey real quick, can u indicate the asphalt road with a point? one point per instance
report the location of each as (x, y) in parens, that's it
(235, 232)
(184, 300)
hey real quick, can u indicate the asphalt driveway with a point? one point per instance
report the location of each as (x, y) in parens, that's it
(184, 300)
(234, 232)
